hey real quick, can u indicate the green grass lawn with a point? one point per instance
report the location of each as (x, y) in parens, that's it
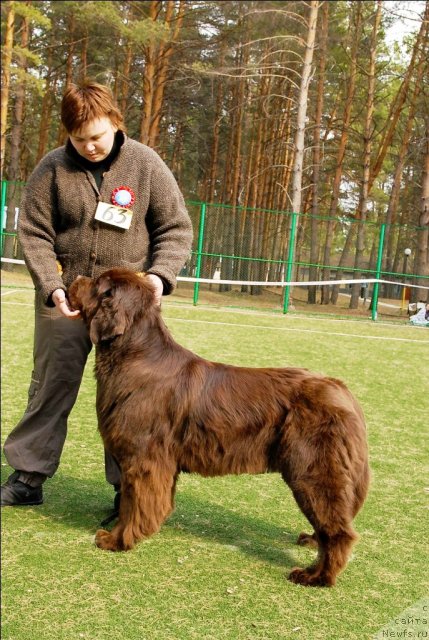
(217, 570)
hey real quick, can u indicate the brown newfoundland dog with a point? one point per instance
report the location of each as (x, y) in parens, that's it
(162, 410)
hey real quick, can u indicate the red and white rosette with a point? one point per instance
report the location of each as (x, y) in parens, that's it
(123, 197)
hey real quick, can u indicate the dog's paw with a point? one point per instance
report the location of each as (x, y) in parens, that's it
(309, 578)
(105, 540)
(307, 540)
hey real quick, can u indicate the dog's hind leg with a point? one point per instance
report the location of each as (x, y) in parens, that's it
(328, 512)
(307, 540)
(146, 501)
(324, 460)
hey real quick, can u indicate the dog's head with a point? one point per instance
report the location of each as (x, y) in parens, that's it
(110, 303)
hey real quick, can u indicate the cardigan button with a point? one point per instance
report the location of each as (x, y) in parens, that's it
(92, 255)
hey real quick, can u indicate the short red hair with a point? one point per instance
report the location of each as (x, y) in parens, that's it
(88, 101)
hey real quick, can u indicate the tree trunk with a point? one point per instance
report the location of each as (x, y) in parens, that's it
(210, 186)
(251, 191)
(302, 114)
(148, 81)
(163, 61)
(234, 171)
(125, 85)
(62, 133)
(156, 72)
(45, 115)
(5, 86)
(84, 55)
(368, 136)
(18, 110)
(15, 146)
(315, 236)
(260, 184)
(351, 85)
(422, 258)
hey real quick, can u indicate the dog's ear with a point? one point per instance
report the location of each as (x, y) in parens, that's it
(106, 325)
(110, 320)
(122, 298)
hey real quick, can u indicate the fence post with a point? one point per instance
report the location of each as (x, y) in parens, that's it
(3, 211)
(199, 250)
(290, 258)
(378, 272)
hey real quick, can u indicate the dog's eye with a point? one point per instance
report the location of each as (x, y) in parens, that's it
(107, 294)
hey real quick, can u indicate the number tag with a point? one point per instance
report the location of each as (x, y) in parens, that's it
(111, 214)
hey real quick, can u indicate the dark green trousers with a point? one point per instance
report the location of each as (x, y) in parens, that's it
(61, 349)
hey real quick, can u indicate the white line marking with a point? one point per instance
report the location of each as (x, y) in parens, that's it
(8, 293)
(18, 304)
(254, 326)
(276, 314)
(285, 283)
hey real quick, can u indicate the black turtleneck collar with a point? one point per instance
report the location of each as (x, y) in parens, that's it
(97, 168)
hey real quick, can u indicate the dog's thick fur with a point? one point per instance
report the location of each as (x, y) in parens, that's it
(162, 410)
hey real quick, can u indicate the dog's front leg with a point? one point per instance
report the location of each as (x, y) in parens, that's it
(146, 501)
(108, 540)
(114, 540)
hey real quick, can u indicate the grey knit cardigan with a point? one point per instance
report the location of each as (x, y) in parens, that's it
(56, 220)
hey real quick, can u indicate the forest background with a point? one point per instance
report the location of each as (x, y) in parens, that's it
(272, 106)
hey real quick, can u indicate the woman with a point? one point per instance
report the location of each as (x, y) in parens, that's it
(100, 201)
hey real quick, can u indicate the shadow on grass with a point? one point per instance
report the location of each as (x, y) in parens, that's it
(251, 535)
(83, 504)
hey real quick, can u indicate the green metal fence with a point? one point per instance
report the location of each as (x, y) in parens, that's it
(276, 246)
(236, 247)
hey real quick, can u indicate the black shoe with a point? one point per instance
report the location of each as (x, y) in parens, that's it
(16, 493)
(115, 512)
(117, 500)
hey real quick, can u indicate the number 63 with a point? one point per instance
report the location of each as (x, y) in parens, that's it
(112, 214)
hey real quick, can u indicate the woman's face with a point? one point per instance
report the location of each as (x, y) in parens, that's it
(94, 140)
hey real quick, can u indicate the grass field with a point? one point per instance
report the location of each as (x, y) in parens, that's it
(217, 569)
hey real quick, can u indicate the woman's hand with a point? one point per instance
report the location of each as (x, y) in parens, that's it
(63, 306)
(158, 284)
